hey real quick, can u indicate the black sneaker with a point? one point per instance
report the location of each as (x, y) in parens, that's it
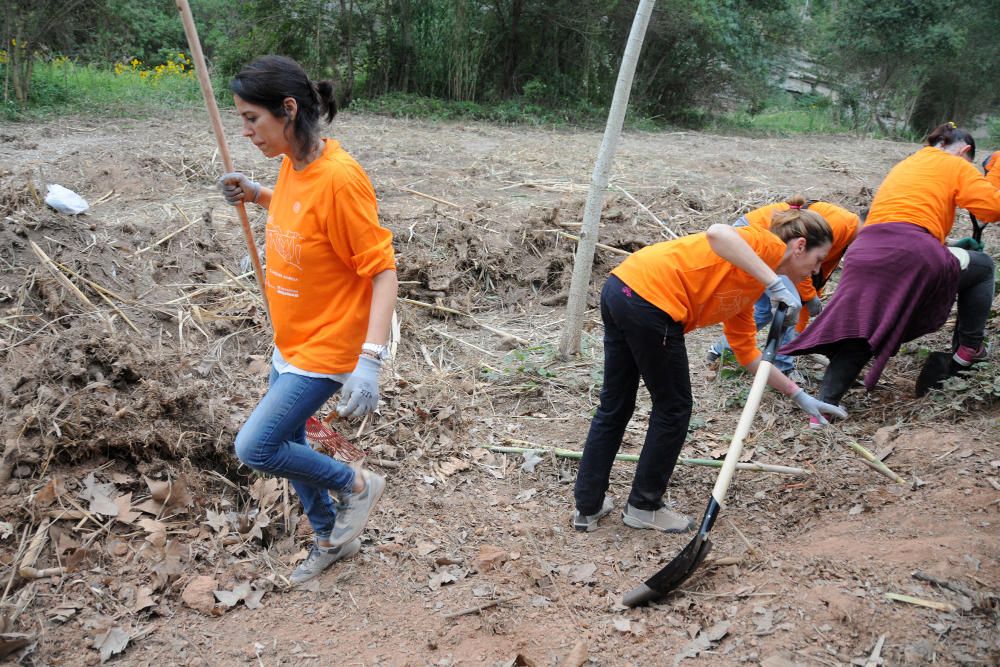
(588, 523)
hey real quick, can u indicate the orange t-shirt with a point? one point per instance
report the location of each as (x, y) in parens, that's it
(992, 167)
(324, 245)
(924, 189)
(844, 226)
(696, 287)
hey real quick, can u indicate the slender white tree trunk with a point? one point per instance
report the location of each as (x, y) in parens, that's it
(583, 264)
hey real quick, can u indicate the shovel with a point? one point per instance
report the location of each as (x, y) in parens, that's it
(684, 564)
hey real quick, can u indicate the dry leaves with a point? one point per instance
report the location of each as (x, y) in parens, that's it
(111, 642)
(245, 592)
(703, 641)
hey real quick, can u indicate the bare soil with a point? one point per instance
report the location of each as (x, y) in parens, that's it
(121, 402)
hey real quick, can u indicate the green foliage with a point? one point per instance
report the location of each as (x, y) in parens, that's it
(904, 65)
(506, 112)
(895, 63)
(61, 86)
(993, 127)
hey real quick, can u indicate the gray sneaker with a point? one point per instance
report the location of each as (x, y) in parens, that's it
(661, 519)
(320, 558)
(588, 523)
(354, 509)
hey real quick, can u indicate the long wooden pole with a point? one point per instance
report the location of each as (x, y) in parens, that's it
(633, 458)
(213, 112)
(583, 262)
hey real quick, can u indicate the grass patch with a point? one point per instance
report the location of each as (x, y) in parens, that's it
(508, 112)
(61, 86)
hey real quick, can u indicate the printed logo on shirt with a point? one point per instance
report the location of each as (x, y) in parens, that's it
(288, 245)
(729, 303)
(296, 207)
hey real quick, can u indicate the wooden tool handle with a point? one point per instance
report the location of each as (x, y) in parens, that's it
(213, 112)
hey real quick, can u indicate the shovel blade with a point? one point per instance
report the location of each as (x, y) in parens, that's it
(676, 572)
(672, 575)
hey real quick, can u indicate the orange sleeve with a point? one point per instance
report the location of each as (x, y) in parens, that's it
(366, 244)
(806, 289)
(741, 332)
(977, 195)
(800, 326)
(992, 167)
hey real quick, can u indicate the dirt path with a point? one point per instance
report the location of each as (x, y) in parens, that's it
(97, 412)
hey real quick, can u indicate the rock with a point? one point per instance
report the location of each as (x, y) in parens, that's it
(490, 558)
(199, 594)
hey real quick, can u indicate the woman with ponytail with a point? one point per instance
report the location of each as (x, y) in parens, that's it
(331, 288)
(648, 303)
(843, 224)
(900, 280)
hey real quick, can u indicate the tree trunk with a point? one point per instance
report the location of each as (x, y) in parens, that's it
(583, 263)
(347, 15)
(513, 47)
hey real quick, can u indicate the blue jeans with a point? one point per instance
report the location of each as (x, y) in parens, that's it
(273, 441)
(762, 317)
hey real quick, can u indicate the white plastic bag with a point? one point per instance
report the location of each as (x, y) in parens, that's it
(65, 200)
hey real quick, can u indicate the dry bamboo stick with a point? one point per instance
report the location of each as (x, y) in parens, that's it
(34, 548)
(920, 602)
(710, 463)
(445, 309)
(648, 212)
(34, 573)
(167, 237)
(426, 196)
(101, 292)
(66, 282)
(480, 607)
(875, 464)
(96, 286)
(617, 251)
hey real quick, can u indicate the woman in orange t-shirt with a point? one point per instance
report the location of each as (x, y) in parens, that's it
(331, 289)
(648, 303)
(899, 280)
(844, 225)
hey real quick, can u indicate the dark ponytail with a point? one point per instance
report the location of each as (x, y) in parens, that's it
(947, 134)
(268, 80)
(327, 99)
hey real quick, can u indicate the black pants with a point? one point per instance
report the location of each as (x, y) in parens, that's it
(639, 340)
(975, 298)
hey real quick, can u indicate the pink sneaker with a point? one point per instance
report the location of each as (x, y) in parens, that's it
(966, 356)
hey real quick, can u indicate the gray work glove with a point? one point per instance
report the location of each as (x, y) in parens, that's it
(236, 188)
(782, 291)
(815, 306)
(816, 408)
(359, 395)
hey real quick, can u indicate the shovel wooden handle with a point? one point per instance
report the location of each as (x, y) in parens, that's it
(750, 409)
(213, 113)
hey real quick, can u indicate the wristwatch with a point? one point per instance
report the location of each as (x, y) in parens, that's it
(380, 352)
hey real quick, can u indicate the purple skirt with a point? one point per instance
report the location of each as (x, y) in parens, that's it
(898, 283)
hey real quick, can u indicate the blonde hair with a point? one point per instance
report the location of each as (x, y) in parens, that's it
(799, 222)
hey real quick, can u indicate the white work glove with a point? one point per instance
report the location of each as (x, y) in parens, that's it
(815, 306)
(782, 291)
(816, 408)
(236, 188)
(359, 395)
